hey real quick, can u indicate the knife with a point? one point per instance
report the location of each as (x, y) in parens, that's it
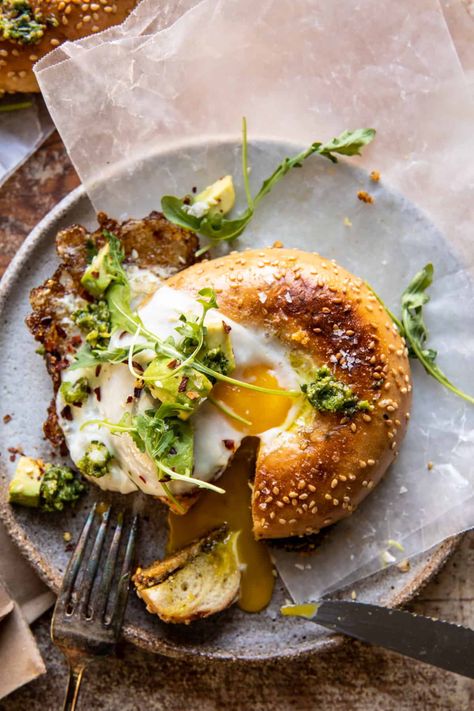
(435, 642)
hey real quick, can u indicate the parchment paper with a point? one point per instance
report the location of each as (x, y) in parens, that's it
(21, 133)
(304, 70)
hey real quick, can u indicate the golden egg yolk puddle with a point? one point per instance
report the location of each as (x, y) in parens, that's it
(262, 410)
(233, 507)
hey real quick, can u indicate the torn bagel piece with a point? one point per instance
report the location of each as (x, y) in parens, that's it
(199, 580)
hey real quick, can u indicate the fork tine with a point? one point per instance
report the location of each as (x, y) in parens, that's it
(120, 602)
(99, 601)
(93, 563)
(76, 559)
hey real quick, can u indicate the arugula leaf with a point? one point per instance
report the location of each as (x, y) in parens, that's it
(87, 357)
(167, 440)
(414, 328)
(219, 228)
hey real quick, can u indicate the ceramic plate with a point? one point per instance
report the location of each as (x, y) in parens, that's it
(26, 388)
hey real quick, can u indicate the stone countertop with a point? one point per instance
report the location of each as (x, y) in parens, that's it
(356, 676)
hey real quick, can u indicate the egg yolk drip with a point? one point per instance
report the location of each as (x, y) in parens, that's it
(233, 507)
(263, 411)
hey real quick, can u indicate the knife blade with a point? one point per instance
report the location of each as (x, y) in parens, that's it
(442, 644)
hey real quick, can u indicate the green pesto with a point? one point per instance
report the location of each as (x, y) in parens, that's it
(75, 392)
(21, 23)
(94, 320)
(96, 460)
(327, 394)
(53, 490)
(59, 487)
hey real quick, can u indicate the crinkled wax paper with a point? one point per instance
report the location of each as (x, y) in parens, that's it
(21, 133)
(176, 79)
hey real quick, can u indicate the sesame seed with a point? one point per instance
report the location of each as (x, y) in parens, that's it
(22, 73)
(352, 477)
(280, 504)
(328, 497)
(335, 502)
(54, 42)
(272, 515)
(367, 418)
(303, 496)
(370, 484)
(285, 499)
(334, 483)
(293, 495)
(362, 464)
(371, 462)
(292, 520)
(276, 490)
(364, 483)
(301, 484)
(353, 427)
(282, 521)
(393, 445)
(311, 487)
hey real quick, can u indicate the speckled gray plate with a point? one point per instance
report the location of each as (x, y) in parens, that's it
(26, 390)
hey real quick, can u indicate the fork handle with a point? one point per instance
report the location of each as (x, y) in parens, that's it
(73, 686)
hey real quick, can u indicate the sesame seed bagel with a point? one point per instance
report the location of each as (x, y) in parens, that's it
(319, 470)
(55, 22)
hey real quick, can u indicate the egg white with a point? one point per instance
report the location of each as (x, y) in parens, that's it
(131, 469)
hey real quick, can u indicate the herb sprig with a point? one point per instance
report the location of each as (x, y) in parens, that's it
(412, 327)
(218, 228)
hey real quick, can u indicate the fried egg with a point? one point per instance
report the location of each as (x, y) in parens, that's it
(260, 359)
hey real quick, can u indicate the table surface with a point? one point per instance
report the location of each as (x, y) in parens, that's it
(356, 676)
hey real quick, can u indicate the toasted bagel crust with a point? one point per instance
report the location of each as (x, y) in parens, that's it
(74, 20)
(319, 471)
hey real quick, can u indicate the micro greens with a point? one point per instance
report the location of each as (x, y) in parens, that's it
(413, 329)
(227, 411)
(166, 439)
(218, 228)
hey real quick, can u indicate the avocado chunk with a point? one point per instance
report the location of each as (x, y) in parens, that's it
(97, 277)
(187, 387)
(216, 199)
(217, 352)
(197, 581)
(48, 487)
(24, 488)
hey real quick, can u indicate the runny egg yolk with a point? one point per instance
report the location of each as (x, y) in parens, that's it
(262, 410)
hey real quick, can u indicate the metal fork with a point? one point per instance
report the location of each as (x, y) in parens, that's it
(89, 611)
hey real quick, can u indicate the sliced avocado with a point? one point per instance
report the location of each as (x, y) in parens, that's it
(186, 387)
(24, 488)
(217, 352)
(96, 279)
(219, 197)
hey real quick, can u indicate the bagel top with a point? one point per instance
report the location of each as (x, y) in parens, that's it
(29, 29)
(320, 469)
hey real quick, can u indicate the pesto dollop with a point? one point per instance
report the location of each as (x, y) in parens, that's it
(21, 23)
(95, 322)
(327, 394)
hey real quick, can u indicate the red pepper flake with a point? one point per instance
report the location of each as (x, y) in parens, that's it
(122, 335)
(226, 327)
(67, 413)
(76, 341)
(130, 399)
(98, 368)
(142, 478)
(95, 275)
(183, 384)
(172, 364)
(97, 393)
(229, 444)
(137, 366)
(14, 451)
(7, 419)
(137, 392)
(77, 404)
